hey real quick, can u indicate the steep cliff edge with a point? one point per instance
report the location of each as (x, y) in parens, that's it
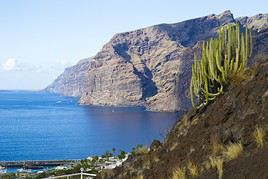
(151, 67)
(71, 81)
(203, 135)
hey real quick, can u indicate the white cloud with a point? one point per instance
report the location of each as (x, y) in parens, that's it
(9, 64)
(13, 65)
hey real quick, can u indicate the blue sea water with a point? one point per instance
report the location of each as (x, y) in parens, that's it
(44, 126)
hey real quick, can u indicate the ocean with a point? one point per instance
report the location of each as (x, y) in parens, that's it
(45, 126)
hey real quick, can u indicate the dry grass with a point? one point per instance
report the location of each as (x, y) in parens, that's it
(207, 164)
(155, 159)
(239, 77)
(243, 76)
(140, 177)
(213, 161)
(146, 164)
(232, 151)
(140, 150)
(219, 165)
(193, 169)
(173, 146)
(217, 162)
(202, 169)
(179, 173)
(217, 147)
(259, 135)
(184, 126)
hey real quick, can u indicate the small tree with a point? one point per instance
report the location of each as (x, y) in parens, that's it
(107, 154)
(122, 155)
(221, 58)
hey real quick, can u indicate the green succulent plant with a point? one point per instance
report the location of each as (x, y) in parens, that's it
(220, 59)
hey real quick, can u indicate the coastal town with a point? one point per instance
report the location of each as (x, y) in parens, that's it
(52, 168)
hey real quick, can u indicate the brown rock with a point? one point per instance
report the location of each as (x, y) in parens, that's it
(149, 67)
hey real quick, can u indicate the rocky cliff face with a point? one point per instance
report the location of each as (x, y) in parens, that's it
(151, 67)
(71, 81)
(259, 24)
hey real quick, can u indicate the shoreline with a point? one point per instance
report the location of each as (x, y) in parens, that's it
(46, 168)
(21, 163)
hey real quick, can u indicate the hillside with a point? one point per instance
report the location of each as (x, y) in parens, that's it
(151, 67)
(207, 133)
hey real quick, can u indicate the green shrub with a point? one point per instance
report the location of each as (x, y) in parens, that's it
(107, 154)
(122, 155)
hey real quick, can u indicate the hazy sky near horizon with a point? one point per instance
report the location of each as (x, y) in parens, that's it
(39, 38)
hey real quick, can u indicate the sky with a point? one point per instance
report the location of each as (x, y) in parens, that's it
(39, 38)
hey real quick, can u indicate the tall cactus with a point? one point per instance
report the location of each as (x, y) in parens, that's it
(221, 58)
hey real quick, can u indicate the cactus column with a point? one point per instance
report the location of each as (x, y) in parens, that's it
(221, 58)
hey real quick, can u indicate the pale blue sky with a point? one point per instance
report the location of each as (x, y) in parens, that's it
(39, 38)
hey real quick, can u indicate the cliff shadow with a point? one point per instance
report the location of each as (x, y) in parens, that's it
(149, 87)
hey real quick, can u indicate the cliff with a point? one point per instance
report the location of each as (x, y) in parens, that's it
(204, 137)
(71, 81)
(151, 67)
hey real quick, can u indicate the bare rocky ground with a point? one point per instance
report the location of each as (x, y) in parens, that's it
(231, 118)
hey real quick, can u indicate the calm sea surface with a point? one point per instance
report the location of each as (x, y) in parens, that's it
(43, 126)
